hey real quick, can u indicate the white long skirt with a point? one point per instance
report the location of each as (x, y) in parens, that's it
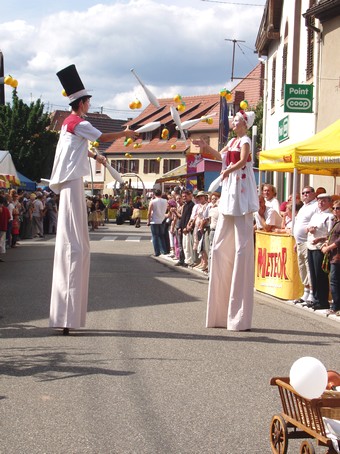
(231, 283)
(70, 282)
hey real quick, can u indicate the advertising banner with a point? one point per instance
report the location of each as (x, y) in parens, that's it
(276, 269)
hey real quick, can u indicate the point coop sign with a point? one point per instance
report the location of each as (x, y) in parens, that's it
(298, 98)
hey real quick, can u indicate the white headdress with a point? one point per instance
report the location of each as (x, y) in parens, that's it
(247, 117)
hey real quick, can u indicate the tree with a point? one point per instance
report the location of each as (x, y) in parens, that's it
(259, 123)
(25, 133)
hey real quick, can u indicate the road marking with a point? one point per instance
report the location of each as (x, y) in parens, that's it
(108, 238)
(133, 238)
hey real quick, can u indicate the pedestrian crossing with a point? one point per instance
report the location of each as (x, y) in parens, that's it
(96, 237)
(128, 239)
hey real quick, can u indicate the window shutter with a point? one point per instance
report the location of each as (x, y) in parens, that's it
(146, 166)
(273, 83)
(284, 69)
(166, 166)
(310, 49)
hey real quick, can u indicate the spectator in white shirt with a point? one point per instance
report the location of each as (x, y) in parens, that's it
(318, 229)
(302, 219)
(266, 218)
(156, 216)
(269, 193)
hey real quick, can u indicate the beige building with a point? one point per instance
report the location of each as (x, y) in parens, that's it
(298, 40)
(153, 158)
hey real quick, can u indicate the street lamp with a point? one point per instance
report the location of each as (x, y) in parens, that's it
(8, 80)
(2, 85)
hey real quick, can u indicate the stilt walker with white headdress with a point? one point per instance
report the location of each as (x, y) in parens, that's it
(231, 280)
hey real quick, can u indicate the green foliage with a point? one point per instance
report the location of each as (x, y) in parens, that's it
(25, 134)
(259, 123)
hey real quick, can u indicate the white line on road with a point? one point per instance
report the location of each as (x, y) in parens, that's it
(133, 238)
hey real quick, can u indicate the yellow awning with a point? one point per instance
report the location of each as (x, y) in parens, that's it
(318, 155)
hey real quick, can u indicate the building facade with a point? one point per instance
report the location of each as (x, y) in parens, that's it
(297, 41)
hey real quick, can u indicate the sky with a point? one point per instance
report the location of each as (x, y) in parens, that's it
(175, 46)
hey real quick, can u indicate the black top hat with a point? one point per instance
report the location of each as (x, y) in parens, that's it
(72, 83)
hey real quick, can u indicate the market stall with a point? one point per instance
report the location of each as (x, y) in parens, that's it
(25, 183)
(8, 173)
(318, 155)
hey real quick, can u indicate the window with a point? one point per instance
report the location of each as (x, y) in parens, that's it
(98, 168)
(284, 69)
(272, 105)
(151, 166)
(170, 164)
(147, 137)
(310, 45)
(126, 165)
(120, 165)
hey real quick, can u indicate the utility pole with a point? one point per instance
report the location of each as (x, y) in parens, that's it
(2, 85)
(234, 41)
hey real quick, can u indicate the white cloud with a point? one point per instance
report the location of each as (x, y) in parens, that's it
(172, 45)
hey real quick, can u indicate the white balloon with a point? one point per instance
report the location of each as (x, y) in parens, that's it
(308, 376)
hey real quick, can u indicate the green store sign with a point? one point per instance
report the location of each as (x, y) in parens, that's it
(284, 129)
(298, 98)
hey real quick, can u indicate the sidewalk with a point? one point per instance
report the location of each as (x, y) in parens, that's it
(319, 313)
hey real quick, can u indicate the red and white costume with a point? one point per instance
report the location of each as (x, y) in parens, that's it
(70, 281)
(231, 283)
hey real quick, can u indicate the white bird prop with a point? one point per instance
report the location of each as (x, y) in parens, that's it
(151, 97)
(149, 127)
(113, 172)
(177, 120)
(189, 123)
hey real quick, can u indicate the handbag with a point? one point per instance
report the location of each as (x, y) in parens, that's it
(326, 266)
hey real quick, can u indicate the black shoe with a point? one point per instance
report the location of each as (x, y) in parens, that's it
(310, 305)
(318, 307)
(299, 301)
(66, 331)
(179, 264)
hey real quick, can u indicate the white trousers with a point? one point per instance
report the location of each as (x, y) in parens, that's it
(2, 242)
(231, 283)
(71, 267)
(187, 248)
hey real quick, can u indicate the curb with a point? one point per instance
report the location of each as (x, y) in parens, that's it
(166, 260)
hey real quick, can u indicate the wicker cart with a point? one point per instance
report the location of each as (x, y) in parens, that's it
(302, 418)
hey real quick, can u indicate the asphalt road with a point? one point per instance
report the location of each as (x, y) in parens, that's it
(144, 376)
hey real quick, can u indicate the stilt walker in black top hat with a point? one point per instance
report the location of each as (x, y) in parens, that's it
(70, 280)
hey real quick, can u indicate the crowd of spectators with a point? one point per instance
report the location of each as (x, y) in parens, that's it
(183, 229)
(26, 215)
(187, 230)
(29, 215)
